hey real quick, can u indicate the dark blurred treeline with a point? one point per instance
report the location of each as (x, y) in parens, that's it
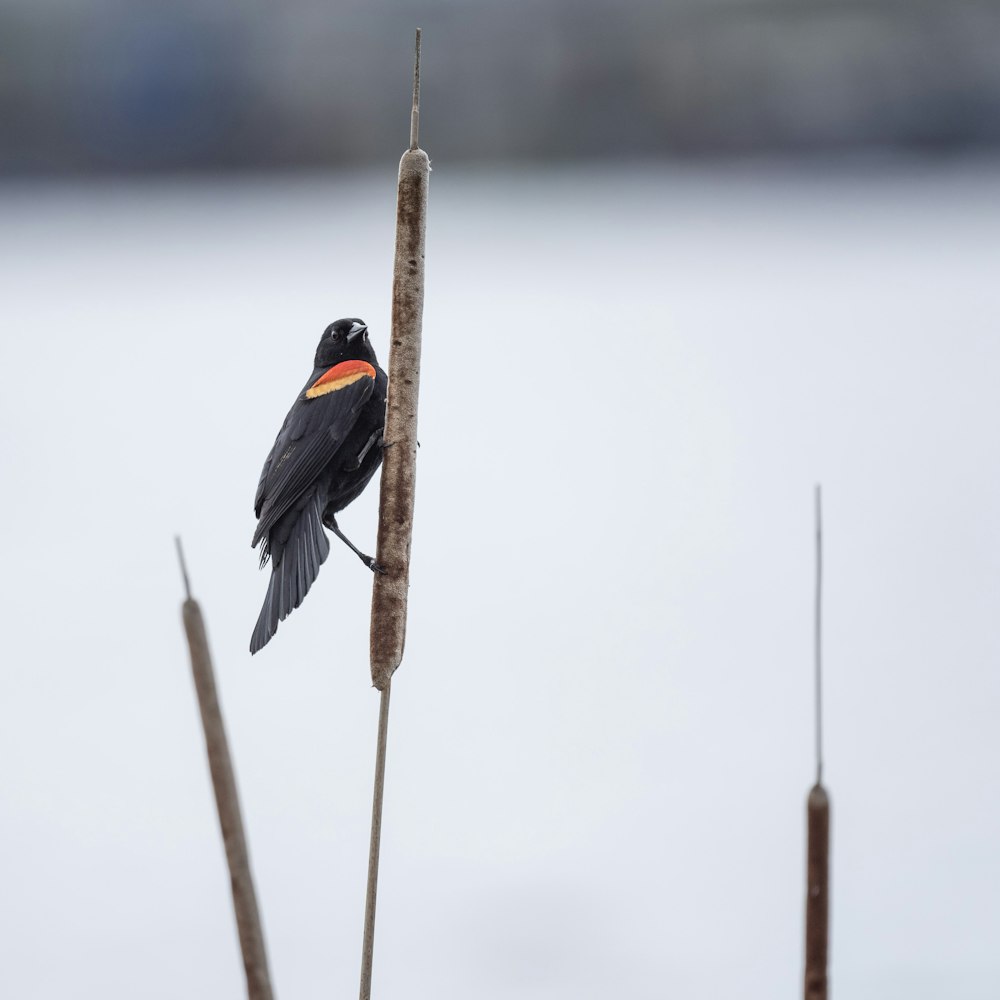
(99, 85)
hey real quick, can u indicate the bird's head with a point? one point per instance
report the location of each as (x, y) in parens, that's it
(344, 340)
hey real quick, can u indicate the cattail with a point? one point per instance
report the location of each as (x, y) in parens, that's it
(227, 799)
(818, 815)
(395, 527)
(388, 624)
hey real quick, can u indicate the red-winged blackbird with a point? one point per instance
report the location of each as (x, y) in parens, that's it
(326, 451)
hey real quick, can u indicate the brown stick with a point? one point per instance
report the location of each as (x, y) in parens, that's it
(227, 800)
(395, 526)
(395, 519)
(368, 945)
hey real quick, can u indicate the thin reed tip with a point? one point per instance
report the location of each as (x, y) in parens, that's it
(415, 110)
(184, 572)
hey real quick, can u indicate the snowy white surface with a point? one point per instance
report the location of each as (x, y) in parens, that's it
(600, 741)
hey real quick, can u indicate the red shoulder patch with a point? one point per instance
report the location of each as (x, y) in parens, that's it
(346, 373)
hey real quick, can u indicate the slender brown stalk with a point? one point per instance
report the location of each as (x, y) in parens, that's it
(818, 815)
(395, 525)
(227, 800)
(368, 945)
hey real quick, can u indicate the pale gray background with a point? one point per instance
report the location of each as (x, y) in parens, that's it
(601, 735)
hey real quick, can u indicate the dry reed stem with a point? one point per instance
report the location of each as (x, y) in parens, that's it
(227, 800)
(395, 525)
(368, 944)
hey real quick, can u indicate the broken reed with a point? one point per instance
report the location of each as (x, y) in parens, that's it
(220, 765)
(395, 524)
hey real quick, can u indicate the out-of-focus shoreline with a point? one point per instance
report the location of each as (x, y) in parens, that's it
(96, 87)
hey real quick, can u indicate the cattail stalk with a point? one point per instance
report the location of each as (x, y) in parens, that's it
(220, 764)
(818, 816)
(395, 527)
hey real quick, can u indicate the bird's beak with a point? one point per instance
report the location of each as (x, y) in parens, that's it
(356, 330)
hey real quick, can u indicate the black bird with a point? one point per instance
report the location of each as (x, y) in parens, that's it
(327, 450)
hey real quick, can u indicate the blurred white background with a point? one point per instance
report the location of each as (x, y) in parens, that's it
(601, 734)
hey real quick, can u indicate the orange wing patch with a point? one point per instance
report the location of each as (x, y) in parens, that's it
(346, 373)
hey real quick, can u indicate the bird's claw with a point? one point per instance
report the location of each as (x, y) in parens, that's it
(376, 567)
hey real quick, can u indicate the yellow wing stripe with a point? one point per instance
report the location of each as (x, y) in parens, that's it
(339, 376)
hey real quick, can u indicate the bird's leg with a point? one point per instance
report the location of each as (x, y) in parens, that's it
(375, 439)
(331, 522)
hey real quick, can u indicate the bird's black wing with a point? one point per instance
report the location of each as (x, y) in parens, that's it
(303, 551)
(316, 426)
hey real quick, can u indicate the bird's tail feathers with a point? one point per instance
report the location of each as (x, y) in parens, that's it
(294, 573)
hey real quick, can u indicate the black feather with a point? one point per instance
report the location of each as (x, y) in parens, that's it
(294, 572)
